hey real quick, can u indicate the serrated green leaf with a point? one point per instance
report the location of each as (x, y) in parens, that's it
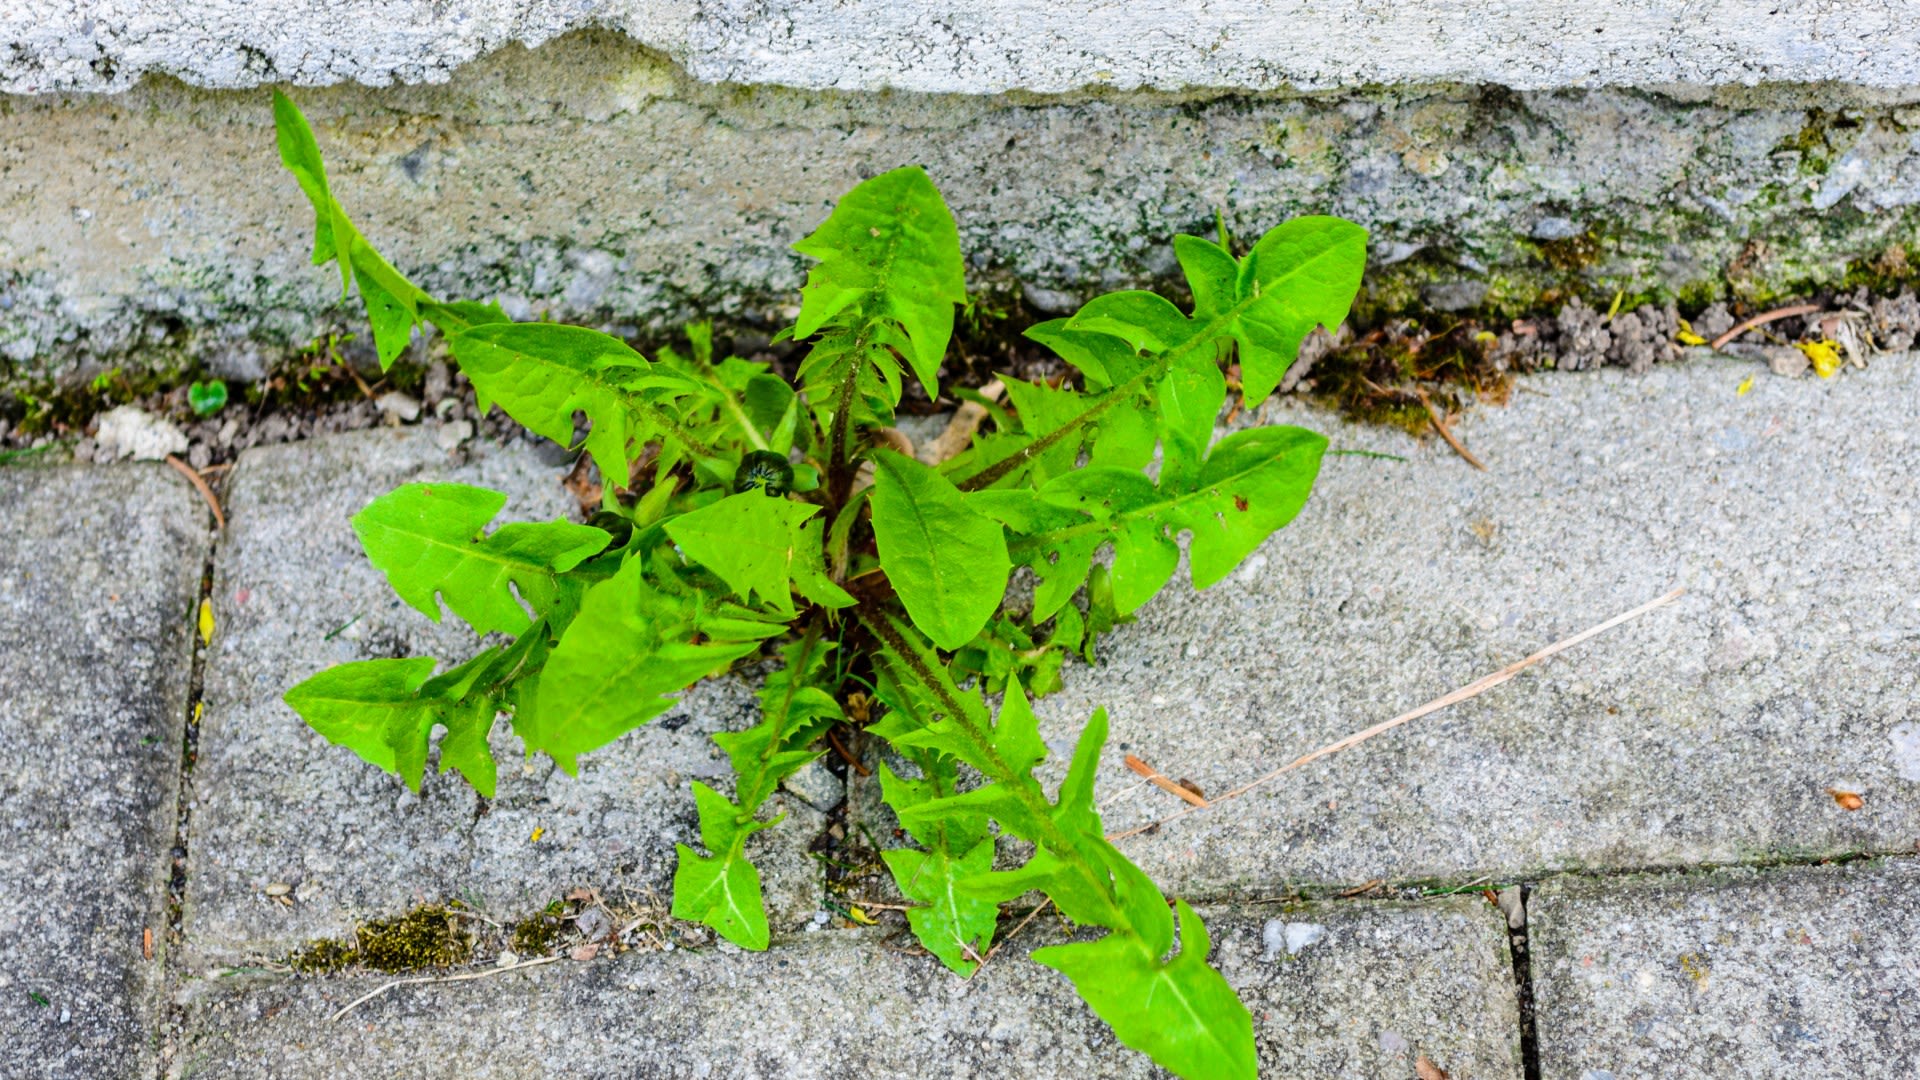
(620, 658)
(889, 250)
(753, 543)
(352, 704)
(722, 893)
(430, 541)
(953, 926)
(541, 373)
(385, 711)
(1082, 897)
(1074, 808)
(1190, 398)
(722, 890)
(1303, 273)
(1062, 560)
(1003, 801)
(1252, 484)
(393, 302)
(793, 711)
(1044, 410)
(1181, 1012)
(947, 562)
(810, 576)
(1211, 274)
(1016, 735)
(300, 153)
(458, 315)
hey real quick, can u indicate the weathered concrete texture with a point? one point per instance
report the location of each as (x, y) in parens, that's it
(99, 577)
(595, 181)
(276, 803)
(1706, 732)
(988, 46)
(1372, 986)
(1787, 972)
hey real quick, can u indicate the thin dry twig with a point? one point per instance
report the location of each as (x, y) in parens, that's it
(1439, 419)
(1159, 780)
(1762, 319)
(846, 755)
(1472, 689)
(466, 977)
(365, 390)
(200, 484)
(1361, 890)
(1043, 905)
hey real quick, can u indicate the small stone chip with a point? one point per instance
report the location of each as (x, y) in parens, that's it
(278, 888)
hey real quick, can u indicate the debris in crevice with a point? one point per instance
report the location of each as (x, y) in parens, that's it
(1369, 373)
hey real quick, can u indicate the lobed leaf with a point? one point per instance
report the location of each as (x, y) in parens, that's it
(1252, 484)
(430, 541)
(1303, 273)
(542, 373)
(393, 302)
(953, 926)
(386, 710)
(722, 890)
(889, 250)
(1180, 1012)
(758, 546)
(628, 649)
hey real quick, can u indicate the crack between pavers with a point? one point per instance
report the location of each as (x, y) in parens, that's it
(172, 1013)
(1518, 949)
(1437, 888)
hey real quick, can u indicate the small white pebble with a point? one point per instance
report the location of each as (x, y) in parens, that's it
(450, 436)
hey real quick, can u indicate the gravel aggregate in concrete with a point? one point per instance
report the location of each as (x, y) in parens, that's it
(99, 575)
(1787, 972)
(1708, 731)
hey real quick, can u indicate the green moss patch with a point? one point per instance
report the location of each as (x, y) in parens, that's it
(426, 937)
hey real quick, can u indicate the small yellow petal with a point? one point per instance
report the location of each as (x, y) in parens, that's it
(1825, 356)
(206, 622)
(1746, 384)
(859, 916)
(537, 834)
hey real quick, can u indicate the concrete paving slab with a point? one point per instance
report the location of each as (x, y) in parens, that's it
(99, 578)
(1707, 732)
(277, 804)
(1372, 985)
(1802, 972)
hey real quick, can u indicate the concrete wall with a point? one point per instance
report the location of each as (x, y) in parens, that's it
(986, 46)
(639, 177)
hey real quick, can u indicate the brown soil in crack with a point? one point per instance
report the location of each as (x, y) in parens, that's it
(1385, 374)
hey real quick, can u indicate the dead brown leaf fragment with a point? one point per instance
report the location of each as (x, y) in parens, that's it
(1847, 800)
(1425, 1069)
(1187, 792)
